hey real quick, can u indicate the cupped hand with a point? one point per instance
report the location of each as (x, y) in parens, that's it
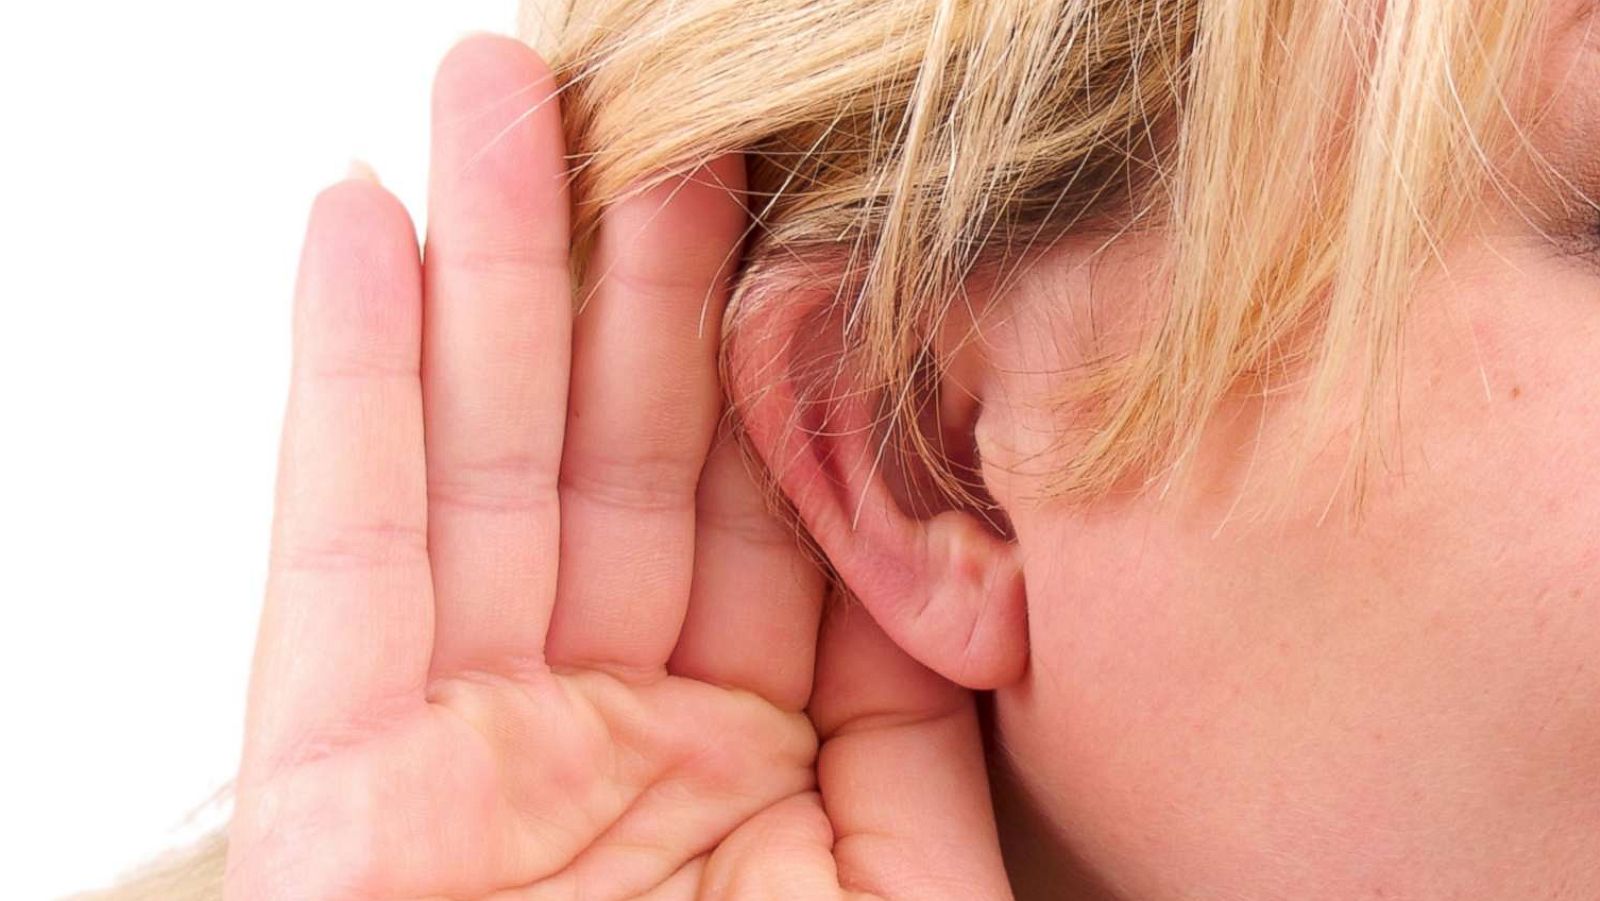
(530, 632)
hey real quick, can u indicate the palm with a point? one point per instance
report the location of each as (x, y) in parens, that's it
(550, 785)
(530, 632)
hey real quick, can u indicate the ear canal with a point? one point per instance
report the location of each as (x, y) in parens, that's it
(947, 589)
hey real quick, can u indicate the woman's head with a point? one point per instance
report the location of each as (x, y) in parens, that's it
(1212, 377)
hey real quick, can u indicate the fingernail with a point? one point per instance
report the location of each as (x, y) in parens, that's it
(360, 171)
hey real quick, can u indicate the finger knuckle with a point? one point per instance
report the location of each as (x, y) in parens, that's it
(347, 547)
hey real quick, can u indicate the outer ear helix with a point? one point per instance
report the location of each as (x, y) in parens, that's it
(947, 589)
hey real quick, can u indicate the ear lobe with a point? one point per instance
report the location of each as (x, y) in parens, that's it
(946, 588)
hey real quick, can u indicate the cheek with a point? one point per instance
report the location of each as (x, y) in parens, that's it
(1214, 695)
(1309, 714)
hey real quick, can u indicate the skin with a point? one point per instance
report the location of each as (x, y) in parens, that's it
(530, 632)
(1235, 683)
(1234, 693)
(1218, 686)
(1213, 687)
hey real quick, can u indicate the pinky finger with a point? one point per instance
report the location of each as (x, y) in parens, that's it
(346, 631)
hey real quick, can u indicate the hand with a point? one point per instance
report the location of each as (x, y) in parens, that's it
(529, 632)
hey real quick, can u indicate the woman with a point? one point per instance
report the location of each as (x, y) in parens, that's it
(1208, 381)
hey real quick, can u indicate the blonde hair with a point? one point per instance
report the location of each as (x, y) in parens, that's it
(1304, 159)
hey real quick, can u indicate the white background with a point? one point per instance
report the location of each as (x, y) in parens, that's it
(157, 160)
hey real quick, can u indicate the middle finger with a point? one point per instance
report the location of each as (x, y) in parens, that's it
(641, 414)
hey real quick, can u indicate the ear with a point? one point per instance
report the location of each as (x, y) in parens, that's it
(944, 584)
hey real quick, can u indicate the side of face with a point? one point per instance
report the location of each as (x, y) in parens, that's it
(1228, 696)
(1212, 688)
(1233, 694)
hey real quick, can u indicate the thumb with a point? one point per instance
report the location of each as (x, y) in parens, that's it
(901, 770)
